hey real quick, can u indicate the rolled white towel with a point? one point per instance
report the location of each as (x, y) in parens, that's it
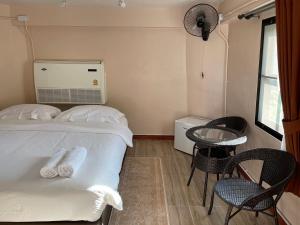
(49, 170)
(72, 161)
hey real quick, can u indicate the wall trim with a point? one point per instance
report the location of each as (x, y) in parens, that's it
(153, 137)
(247, 177)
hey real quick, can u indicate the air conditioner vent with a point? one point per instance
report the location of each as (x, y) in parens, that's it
(53, 95)
(69, 96)
(85, 96)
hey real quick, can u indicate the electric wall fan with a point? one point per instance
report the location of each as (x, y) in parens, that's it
(201, 20)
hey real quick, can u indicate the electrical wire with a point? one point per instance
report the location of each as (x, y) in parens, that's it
(27, 32)
(8, 18)
(30, 40)
(225, 39)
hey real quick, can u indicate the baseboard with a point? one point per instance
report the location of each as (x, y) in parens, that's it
(154, 137)
(243, 173)
(246, 176)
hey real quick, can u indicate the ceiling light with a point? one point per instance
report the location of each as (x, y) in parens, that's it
(122, 3)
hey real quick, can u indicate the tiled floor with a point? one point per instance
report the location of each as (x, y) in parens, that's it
(185, 203)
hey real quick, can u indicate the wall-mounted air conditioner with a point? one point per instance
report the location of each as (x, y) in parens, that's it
(70, 82)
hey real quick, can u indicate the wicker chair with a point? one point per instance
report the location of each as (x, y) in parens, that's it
(232, 122)
(278, 168)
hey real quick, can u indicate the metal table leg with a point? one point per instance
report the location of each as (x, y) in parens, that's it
(205, 189)
(206, 180)
(191, 176)
(194, 154)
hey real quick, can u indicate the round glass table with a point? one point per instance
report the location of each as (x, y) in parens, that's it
(220, 139)
(216, 136)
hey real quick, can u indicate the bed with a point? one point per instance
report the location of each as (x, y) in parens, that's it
(26, 145)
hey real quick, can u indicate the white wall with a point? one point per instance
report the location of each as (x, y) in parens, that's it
(15, 63)
(153, 66)
(206, 94)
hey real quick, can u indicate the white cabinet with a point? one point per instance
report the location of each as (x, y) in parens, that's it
(181, 142)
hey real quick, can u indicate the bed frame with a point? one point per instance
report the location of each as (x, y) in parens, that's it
(104, 220)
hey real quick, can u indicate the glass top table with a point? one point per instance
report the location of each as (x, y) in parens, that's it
(212, 137)
(216, 136)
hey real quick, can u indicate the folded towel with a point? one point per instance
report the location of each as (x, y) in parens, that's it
(49, 170)
(72, 161)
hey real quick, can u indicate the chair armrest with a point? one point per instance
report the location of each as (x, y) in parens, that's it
(254, 199)
(275, 190)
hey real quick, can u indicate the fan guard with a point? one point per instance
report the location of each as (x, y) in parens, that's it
(200, 20)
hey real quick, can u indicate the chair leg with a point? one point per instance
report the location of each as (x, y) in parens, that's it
(211, 202)
(218, 176)
(205, 189)
(237, 170)
(193, 156)
(238, 173)
(256, 213)
(276, 216)
(228, 215)
(191, 176)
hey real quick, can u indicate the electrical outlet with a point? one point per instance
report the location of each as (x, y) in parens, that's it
(22, 18)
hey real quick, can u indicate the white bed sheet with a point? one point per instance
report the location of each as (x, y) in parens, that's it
(26, 146)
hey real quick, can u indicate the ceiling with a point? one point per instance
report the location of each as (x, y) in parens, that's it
(156, 3)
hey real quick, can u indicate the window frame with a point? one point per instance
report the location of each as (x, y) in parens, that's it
(269, 130)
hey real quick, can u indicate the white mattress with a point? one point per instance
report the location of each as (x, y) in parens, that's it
(26, 146)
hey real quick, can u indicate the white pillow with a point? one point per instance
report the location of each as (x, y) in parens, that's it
(29, 112)
(91, 113)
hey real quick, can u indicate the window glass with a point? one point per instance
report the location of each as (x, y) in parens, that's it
(269, 107)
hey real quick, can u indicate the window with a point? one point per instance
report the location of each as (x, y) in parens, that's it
(268, 106)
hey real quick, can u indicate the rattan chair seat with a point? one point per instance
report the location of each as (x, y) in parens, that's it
(235, 190)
